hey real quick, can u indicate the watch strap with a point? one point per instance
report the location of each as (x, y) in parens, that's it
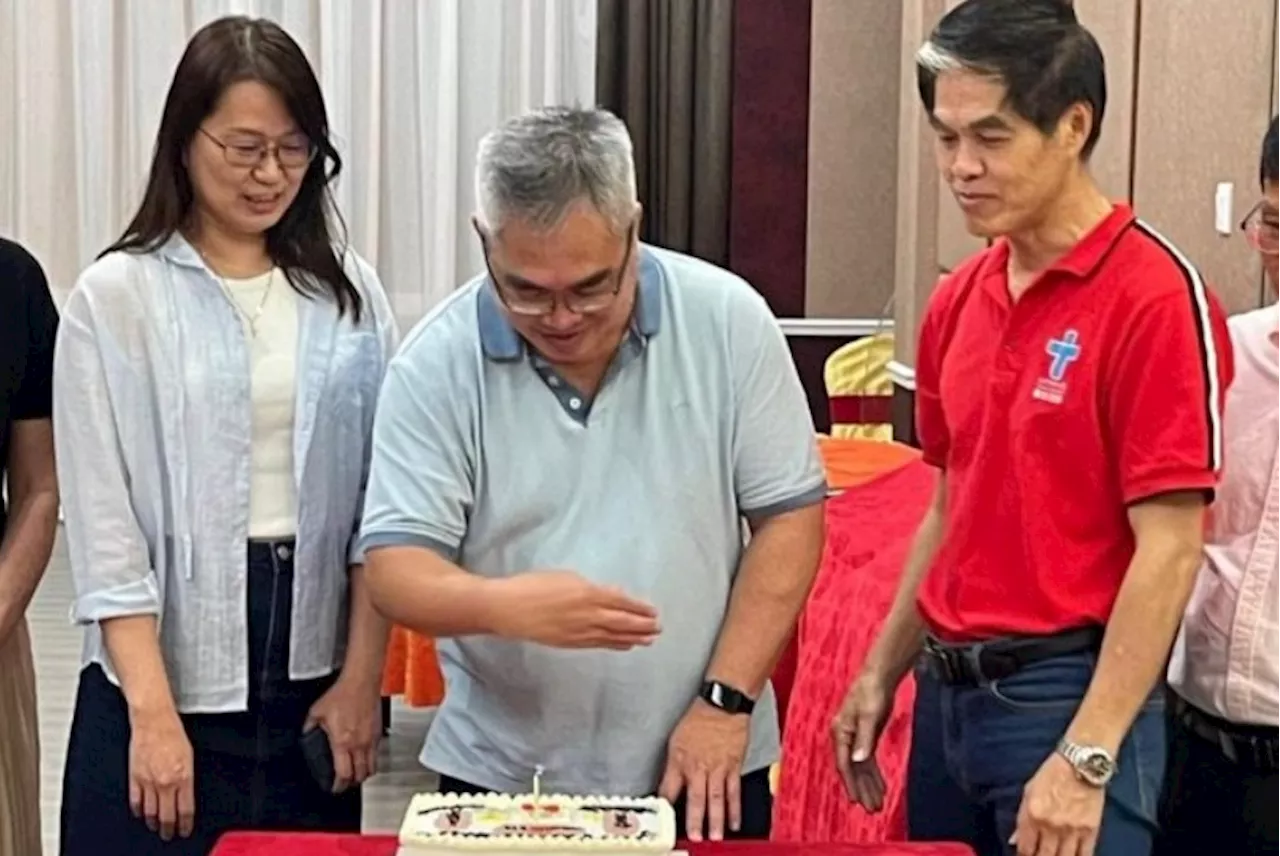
(1093, 764)
(724, 697)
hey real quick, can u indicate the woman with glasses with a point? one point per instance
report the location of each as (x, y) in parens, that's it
(214, 387)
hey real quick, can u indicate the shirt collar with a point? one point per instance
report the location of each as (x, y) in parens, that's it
(178, 250)
(1079, 263)
(502, 343)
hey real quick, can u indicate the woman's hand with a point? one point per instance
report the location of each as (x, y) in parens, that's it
(351, 715)
(161, 774)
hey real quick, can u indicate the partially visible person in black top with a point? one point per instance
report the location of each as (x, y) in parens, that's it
(28, 522)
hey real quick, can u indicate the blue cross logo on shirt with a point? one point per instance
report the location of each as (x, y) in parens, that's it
(1064, 351)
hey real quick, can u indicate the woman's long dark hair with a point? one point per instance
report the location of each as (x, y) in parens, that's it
(225, 52)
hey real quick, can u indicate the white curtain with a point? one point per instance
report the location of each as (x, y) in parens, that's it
(410, 85)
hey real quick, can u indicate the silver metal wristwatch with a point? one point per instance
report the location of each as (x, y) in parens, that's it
(1093, 765)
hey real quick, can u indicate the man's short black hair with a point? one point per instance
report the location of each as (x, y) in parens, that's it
(1269, 168)
(1037, 48)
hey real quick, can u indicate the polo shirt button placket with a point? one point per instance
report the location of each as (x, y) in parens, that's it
(1007, 359)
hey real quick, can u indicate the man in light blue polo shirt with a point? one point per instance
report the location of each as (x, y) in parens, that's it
(564, 453)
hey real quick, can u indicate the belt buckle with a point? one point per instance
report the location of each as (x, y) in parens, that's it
(933, 658)
(1262, 753)
(955, 671)
(959, 665)
(939, 659)
(1228, 746)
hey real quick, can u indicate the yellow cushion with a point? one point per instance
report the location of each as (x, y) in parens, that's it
(861, 368)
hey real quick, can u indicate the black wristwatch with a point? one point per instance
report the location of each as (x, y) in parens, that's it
(726, 698)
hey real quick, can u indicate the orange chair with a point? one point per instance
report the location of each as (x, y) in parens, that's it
(413, 669)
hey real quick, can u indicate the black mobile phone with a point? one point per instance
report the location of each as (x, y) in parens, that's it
(319, 756)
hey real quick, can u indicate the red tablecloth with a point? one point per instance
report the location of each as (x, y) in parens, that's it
(869, 531)
(849, 463)
(252, 844)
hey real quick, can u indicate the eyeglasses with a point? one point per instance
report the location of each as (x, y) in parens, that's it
(533, 302)
(251, 153)
(1264, 236)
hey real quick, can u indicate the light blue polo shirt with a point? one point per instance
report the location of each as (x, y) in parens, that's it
(482, 452)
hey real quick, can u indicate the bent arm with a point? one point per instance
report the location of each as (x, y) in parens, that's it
(367, 635)
(901, 637)
(1165, 420)
(367, 630)
(1168, 532)
(32, 515)
(32, 519)
(419, 589)
(773, 582)
(115, 584)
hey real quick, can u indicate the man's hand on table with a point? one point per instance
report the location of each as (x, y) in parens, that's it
(855, 732)
(704, 759)
(561, 609)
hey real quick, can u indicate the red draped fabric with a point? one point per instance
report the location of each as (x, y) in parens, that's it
(849, 462)
(250, 844)
(869, 531)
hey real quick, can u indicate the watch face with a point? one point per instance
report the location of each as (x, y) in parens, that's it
(1096, 768)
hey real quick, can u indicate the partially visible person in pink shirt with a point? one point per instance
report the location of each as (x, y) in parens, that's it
(1221, 783)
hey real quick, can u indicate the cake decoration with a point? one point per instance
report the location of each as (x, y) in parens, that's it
(503, 825)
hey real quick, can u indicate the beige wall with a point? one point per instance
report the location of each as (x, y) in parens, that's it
(1204, 98)
(919, 200)
(1114, 23)
(852, 194)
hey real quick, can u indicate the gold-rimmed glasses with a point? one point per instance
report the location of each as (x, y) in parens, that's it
(250, 152)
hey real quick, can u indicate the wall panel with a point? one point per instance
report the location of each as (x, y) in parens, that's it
(955, 244)
(853, 97)
(916, 270)
(1114, 23)
(1203, 101)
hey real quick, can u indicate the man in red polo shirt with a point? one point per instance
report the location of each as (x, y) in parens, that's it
(1070, 380)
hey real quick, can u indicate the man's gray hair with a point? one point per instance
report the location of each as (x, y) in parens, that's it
(535, 167)
(937, 60)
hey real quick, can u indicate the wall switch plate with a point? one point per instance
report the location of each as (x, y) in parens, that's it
(1222, 208)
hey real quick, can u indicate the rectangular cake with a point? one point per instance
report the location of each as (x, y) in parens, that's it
(503, 825)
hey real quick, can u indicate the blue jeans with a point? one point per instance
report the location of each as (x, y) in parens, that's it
(974, 748)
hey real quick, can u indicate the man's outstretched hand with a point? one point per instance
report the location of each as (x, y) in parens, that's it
(562, 609)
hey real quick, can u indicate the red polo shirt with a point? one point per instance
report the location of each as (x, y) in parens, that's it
(1101, 386)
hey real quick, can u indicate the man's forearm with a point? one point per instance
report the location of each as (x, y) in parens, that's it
(367, 634)
(418, 589)
(772, 584)
(24, 554)
(902, 635)
(1136, 646)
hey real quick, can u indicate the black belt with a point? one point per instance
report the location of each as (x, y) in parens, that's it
(1251, 750)
(975, 663)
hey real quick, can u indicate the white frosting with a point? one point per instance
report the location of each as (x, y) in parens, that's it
(503, 825)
